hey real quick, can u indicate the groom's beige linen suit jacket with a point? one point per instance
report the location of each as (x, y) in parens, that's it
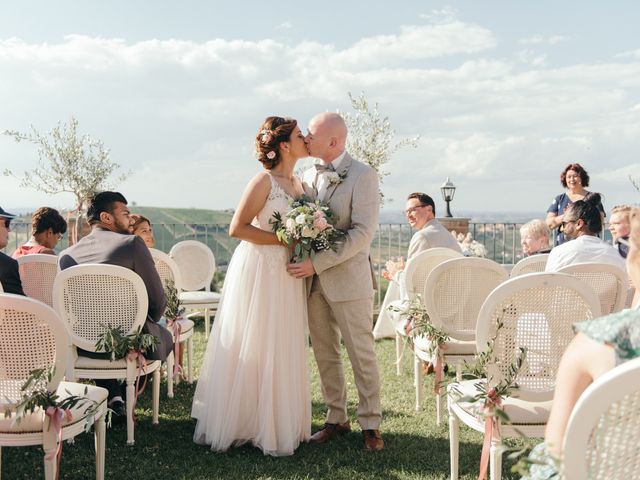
(341, 293)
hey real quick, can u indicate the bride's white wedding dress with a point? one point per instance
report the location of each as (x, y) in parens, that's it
(254, 384)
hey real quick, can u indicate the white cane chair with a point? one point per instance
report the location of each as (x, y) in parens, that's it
(537, 312)
(169, 270)
(197, 268)
(33, 336)
(610, 283)
(412, 281)
(453, 295)
(91, 297)
(37, 273)
(532, 264)
(601, 440)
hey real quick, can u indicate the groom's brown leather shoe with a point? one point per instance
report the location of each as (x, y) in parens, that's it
(329, 431)
(373, 440)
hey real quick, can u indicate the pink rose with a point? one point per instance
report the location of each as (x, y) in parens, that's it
(321, 223)
(319, 214)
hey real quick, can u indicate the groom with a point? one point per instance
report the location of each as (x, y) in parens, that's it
(341, 284)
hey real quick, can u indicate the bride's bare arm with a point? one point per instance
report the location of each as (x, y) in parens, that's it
(253, 199)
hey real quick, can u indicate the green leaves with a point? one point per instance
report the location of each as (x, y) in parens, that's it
(115, 342)
(174, 307)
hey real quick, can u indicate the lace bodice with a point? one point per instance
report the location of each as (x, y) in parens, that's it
(277, 201)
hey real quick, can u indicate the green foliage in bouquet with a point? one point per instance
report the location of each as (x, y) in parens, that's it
(308, 228)
(36, 395)
(115, 342)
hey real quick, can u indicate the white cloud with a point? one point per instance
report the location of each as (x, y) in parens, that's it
(284, 26)
(443, 15)
(546, 40)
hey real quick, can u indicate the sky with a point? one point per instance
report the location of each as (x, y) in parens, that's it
(502, 94)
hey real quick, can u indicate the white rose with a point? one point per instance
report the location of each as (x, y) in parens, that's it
(301, 219)
(333, 177)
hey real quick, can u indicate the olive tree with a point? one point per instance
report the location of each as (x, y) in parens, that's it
(67, 162)
(371, 138)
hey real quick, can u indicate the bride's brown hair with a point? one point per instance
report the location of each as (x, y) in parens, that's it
(274, 130)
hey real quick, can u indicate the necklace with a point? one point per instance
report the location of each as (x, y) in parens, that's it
(280, 175)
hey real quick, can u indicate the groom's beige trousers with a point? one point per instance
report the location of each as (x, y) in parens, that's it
(351, 320)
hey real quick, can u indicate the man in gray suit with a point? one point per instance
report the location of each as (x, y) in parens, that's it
(111, 242)
(341, 284)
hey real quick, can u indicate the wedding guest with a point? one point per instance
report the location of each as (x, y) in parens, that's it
(47, 228)
(581, 222)
(420, 210)
(9, 274)
(111, 242)
(598, 346)
(620, 227)
(534, 237)
(574, 178)
(142, 228)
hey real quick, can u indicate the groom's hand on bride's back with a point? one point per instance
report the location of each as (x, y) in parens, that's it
(301, 270)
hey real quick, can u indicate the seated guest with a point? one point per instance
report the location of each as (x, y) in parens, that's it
(420, 210)
(142, 228)
(534, 237)
(9, 274)
(599, 345)
(47, 228)
(582, 221)
(111, 242)
(619, 227)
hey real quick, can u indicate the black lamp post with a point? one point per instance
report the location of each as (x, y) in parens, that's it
(448, 189)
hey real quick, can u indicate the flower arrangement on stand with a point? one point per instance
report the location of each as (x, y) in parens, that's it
(469, 246)
(308, 227)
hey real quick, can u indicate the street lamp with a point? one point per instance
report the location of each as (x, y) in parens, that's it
(448, 189)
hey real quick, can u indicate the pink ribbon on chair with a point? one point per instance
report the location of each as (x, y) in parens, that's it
(142, 364)
(56, 416)
(490, 427)
(438, 368)
(176, 329)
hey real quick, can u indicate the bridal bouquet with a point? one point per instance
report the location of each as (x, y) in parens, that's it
(309, 226)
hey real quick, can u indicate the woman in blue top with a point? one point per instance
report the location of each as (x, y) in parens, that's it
(574, 178)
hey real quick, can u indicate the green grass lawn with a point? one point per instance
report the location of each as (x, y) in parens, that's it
(415, 447)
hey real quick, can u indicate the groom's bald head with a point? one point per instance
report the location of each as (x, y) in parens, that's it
(327, 136)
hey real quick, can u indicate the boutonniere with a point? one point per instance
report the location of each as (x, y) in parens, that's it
(336, 178)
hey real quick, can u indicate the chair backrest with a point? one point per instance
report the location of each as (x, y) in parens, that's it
(167, 268)
(537, 312)
(420, 266)
(31, 336)
(455, 291)
(533, 264)
(602, 433)
(610, 283)
(37, 273)
(196, 262)
(91, 297)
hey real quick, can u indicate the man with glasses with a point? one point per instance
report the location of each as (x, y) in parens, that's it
(9, 274)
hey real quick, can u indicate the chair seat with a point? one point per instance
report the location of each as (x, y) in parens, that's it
(520, 412)
(104, 364)
(34, 422)
(199, 297)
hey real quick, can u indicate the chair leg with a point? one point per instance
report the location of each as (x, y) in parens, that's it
(454, 443)
(170, 369)
(418, 380)
(190, 359)
(155, 399)
(99, 436)
(458, 372)
(206, 323)
(50, 445)
(131, 394)
(398, 352)
(438, 408)
(495, 460)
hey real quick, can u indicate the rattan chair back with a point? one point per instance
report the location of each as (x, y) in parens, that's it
(610, 283)
(167, 268)
(196, 263)
(536, 312)
(533, 264)
(37, 274)
(421, 265)
(455, 291)
(601, 436)
(91, 297)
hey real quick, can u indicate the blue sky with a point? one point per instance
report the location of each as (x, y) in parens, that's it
(502, 94)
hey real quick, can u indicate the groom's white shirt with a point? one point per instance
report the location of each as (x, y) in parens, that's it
(323, 181)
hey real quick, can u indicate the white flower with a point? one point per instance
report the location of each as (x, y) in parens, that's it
(301, 219)
(291, 224)
(334, 178)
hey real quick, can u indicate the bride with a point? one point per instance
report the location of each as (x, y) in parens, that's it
(254, 384)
